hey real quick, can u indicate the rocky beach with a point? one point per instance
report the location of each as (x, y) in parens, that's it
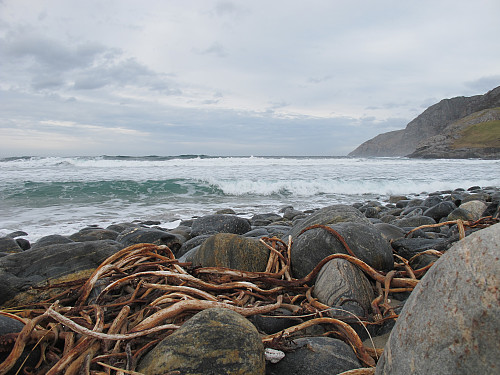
(407, 285)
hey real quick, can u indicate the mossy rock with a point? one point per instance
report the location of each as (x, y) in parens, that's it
(232, 251)
(51, 264)
(214, 341)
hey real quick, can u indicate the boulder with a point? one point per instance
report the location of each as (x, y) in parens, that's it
(9, 245)
(137, 235)
(214, 341)
(459, 214)
(330, 215)
(450, 324)
(190, 244)
(264, 219)
(474, 209)
(52, 264)
(440, 210)
(94, 234)
(343, 285)
(432, 200)
(414, 221)
(397, 198)
(364, 240)
(389, 232)
(290, 213)
(409, 247)
(212, 224)
(53, 239)
(316, 356)
(23, 243)
(232, 251)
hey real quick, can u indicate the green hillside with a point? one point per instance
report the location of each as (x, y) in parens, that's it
(485, 134)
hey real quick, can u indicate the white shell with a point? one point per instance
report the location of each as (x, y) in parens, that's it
(273, 355)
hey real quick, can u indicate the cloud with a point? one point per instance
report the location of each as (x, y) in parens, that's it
(226, 77)
(483, 84)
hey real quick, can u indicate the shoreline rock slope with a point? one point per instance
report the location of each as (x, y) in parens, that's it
(241, 306)
(436, 132)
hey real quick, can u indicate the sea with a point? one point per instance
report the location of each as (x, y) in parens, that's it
(61, 195)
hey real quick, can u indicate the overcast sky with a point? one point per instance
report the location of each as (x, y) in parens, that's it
(273, 77)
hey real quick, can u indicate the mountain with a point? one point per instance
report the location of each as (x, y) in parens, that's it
(433, 122)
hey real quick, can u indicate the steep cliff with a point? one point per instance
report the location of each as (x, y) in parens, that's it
(473, 136)
(430, 123)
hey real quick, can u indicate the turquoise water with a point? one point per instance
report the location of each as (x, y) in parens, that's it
(61, 195)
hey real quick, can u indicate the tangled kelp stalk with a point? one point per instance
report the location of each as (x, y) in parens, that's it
(104, 324)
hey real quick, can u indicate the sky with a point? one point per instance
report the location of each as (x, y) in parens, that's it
(274, 77)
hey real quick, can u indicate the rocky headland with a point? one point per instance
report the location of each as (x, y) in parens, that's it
(407, 286)
(461, 127)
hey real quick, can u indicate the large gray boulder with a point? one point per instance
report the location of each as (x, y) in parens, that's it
(49, 265)
(451, 322)
(337, 213)
(365, 241)
(138, 235)
(232, 251)
(212, 224)
(214, 341)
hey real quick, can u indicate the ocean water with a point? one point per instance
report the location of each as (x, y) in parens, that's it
(60, 195)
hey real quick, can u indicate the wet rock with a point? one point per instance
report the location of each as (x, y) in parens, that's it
(23, 243)
(330, 215)
(476, 197)
(28, 358)
(389, 232)
(137, 235)
(440, 210)
(53, 239)
(94, 234)
(276, 230)
(265, 219)
(474, 209)
(290, 213)
(414, 221)
(190, 244)
(364, 240)
(49, 265)
(9, 245)
(232, 251)
(275, 321)
(343, 285)
(451, 322)
(316, 356)
(409, 247)
(432, 200)
(397, 198)
(120, 227)
(212, 224)
(214, 341)
(372, 212)
(257, 233)
(459, 214)
(17, 233)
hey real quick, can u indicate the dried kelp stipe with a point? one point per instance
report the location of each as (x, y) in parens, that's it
(104, 324)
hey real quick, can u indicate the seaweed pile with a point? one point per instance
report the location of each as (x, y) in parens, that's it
(104, 324)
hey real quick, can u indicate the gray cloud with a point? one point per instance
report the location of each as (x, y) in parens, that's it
(220, 77)
(484, 84)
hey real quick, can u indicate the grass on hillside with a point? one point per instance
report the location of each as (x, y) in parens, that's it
(485, 134)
